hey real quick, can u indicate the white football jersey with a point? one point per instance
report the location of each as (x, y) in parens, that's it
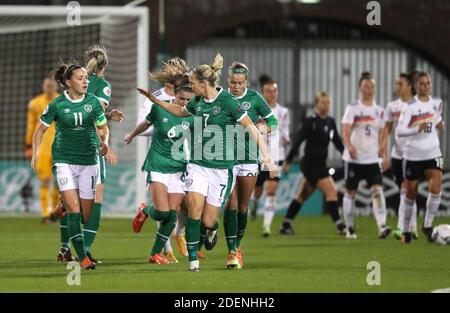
(279, 134)
(422, 145)
(392, 115)
(366, 122)
(146, 108)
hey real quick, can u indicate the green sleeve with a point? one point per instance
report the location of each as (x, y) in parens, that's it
(104, 92)
(49, 114)
(151, 116)
(262, 107)
(271, 121)
(99, 114)
(190, 107)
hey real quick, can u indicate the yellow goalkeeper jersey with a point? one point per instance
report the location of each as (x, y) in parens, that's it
(35, 109)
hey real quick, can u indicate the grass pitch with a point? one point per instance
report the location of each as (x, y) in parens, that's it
(316, 259)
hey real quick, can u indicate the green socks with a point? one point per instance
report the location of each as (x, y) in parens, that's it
(192, 238)
(230, 227)
(76, 237)
(92, 225)
(64, 232)
(202, 236)
(164, 231)
(241, 226)
(155, 214)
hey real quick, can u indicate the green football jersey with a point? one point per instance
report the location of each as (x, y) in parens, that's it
(100, 87)
(167, 153)
(247, 151)
(76, 138)
(214, 130)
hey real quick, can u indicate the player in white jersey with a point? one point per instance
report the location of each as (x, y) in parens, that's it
(405, 92)
(167, 94)
(422, 155)
(278, 139)
(363, 124)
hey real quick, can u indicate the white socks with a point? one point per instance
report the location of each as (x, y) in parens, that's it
(379, 206)
(269, 210)
(348, 203)
(433, 202)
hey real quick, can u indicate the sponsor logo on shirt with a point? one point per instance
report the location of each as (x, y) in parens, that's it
(165, 120)
(66, 110)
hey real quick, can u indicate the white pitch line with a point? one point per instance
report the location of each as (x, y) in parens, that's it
(445, 290)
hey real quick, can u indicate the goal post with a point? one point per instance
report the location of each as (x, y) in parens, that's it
(32, 40)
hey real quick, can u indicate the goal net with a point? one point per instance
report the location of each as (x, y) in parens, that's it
(32, 40)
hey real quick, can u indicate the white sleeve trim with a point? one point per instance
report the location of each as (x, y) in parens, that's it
(268, 115)
(104, 100)
(44, 123)
(242, 116)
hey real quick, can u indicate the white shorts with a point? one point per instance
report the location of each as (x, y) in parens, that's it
(81, 177)
(214, 184)
(173, 181)
(246, 169)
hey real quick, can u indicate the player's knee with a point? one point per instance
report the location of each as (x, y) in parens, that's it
(331, 195)
(350, 193)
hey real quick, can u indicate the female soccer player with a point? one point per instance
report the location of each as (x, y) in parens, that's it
(277, 142)
(318, 130)
(168, 74)
(405, 92)
(166, 171)
(209, 176)
(96, 61)
(363, 124)
(247, 168)
(75, 148)
(422, 154)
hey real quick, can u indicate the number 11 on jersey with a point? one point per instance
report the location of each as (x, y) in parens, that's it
(78, 118)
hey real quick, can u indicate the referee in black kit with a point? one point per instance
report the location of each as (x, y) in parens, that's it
(318, 130)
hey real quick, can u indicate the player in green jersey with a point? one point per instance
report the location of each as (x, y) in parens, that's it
(247, 167)
(96, 61)
(165, 165)
(209, 176)
(78, 116)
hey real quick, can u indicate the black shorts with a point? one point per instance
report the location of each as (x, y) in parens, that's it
(313, 171)
(414, 170)
(264, 175)
(397, 171)
(354, 173)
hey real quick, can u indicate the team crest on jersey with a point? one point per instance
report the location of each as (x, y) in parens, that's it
(88, 108)
(107, 91)
(246, 105)
(63, 181)
(185, 125)
(216, 110)
(189, 182)
(165, 120)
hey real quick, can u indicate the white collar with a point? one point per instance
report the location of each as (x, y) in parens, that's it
(214, 99)
(361, 103)
(240, 97)
(417, 98)
(73, 101)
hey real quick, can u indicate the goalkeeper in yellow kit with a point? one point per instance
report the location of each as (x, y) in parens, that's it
(36, 107)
